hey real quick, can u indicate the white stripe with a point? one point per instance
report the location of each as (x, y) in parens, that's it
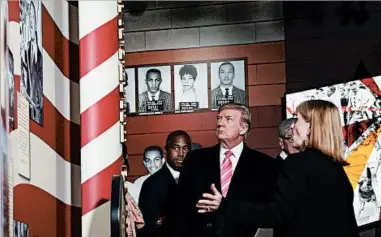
(100, 153)
(96, 223)
(49, 171)
(99, 82)
(59, 11)
(377, 80)
(224, 175)
(93, 14)
(14, 45)
(226, 185)
(57, 88)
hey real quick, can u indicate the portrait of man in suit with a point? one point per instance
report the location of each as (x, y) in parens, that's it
(158, 194)
(154, 98)
(226, 80)
(232, 168)
(153, 157)
(11, 87)
(129, 90)
(31, 57)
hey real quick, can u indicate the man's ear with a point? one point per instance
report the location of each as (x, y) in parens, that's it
(281, 143)
(244, 129)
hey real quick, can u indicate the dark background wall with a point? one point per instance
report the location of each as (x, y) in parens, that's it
(326, 41)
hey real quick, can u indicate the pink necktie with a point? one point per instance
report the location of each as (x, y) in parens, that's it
(226, 173)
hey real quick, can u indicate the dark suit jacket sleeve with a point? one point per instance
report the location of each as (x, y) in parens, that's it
(149, 206)
(183, 205)
(291, 189)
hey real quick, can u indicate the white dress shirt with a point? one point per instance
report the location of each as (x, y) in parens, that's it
(175, 174)
(283, 155)
(223, 89)
(156, 95)
(189, 96)
(237, 150)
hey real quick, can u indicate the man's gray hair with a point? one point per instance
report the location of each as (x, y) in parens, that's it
(284, 126)
(245, 114)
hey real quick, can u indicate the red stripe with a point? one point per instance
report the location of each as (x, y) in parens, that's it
(14, 11)
(100, 117)
(371, 84)
(45, 214)
(97, 190)
(57, 132)
(98, 46)
(63, 52)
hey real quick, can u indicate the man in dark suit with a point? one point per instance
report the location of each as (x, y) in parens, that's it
(153, 92)
(232, 168)
(285, 139)
(157, 197)
(226, 74)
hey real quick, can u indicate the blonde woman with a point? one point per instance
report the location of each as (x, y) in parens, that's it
(314, 196)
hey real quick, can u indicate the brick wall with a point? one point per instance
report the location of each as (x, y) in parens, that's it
(173, 32)
(173, 25)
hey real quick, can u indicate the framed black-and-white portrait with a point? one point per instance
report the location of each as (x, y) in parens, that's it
(191, 87)
(130, 90)
(11, 88)
(21, 229)
(228, 82)
(31, 57)
(154, 88)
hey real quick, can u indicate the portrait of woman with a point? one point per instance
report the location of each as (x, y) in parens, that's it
(191, 85)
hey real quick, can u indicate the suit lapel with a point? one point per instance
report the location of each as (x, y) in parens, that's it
(216, 171)
(168, 174)
(146, 96)
(219, 94)
(161, 96)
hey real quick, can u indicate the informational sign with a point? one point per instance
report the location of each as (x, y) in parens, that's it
(24, 136)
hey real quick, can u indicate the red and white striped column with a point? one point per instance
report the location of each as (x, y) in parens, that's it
(99, 105)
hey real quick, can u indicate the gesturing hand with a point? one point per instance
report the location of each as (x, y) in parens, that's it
(210, 202)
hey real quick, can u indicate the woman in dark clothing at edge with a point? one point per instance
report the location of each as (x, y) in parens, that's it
(314, 197)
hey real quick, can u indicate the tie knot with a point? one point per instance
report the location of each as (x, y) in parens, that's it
(228, 153)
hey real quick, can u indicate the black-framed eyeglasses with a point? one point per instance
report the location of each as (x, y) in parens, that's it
(288, 138)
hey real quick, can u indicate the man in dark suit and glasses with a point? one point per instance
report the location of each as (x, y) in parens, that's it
(226, 74)
(157, 197)
(285, 139)
(154, 93)
(233, 168)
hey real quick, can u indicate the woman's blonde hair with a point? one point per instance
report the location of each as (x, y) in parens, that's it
(325, 128)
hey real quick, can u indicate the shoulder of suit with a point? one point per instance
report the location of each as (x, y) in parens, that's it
(165, 93)
(215, 90)
(203, 153)
(238, 89)
(142, 95)
(156, 178)
(259, 156)
(305, 157)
